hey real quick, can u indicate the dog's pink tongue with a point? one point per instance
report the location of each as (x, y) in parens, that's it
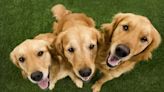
(113, 60)
(43, 84)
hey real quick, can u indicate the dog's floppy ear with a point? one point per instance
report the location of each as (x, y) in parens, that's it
(106, 32)
(98, 37)
(108, 28)
(48, 45)
(14, 59)
(59, 11)
(58, 44)
(156, 40)
(91, 22)
(147, 53)
(15, 62)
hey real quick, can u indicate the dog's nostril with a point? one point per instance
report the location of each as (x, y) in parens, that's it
(122, 51)
(85, 72)
(37, 76)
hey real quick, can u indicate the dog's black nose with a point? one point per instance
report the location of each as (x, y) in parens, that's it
(122, 50)
(85, 72)
(37, 76)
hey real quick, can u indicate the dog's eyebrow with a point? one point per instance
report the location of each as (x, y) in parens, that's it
(118, 22)
(20, 55)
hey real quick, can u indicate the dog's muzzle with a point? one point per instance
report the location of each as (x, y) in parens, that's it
(43, 83)
(120, 52)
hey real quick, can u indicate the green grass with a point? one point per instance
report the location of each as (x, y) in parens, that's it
(23, 19)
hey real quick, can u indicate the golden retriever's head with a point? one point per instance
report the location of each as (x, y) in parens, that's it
(33, 58)
(132, 37)
(78, 45)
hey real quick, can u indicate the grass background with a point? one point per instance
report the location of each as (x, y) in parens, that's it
(22, 19)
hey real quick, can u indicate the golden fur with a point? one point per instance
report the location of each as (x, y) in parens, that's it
(46, 63)
(76, 31)
(140, 37)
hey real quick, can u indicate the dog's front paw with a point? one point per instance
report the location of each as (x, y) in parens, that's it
(51, 86)
(96, 88)
(79, 83)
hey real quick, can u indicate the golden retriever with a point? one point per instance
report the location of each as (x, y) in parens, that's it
(129, 39)
(33, 57)
(77, 40)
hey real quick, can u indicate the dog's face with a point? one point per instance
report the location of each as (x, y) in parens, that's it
(132, 37)
(79, 46)
(34, 59)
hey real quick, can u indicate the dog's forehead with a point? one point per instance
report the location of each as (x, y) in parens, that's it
(141, 23)
(79, 37)
(81, 34)
(30, 46)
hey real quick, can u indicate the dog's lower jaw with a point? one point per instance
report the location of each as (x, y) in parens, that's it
(113, 61)
(110, 66)
(87, 79)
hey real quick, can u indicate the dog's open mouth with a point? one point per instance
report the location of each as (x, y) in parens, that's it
(113, 60)
(44, 83)
(86, 79)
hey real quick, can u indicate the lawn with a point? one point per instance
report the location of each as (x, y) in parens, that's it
(23, 19)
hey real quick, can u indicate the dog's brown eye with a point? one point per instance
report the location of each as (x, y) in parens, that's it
(21, 59)
(91, 46)
(125, 27)
(144, 39)
(40, 53)
(71, 49)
